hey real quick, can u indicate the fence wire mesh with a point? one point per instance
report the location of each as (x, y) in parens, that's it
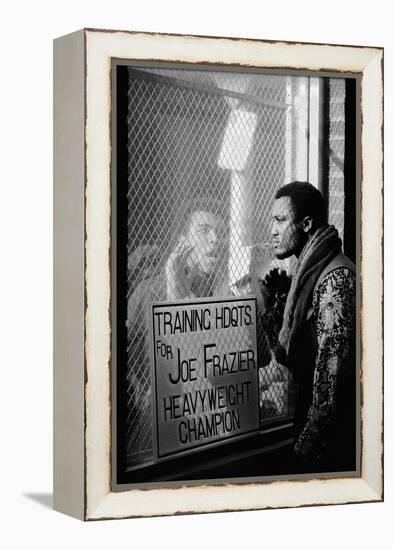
(206, 153)
(336, 139)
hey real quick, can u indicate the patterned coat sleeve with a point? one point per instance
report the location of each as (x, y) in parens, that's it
(334, 309)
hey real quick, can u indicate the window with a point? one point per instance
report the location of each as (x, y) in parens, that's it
(206, 152)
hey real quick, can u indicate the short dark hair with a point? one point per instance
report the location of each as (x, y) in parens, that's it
(201, 204)
(306, 201)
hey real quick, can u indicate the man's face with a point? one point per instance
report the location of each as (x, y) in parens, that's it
(203, 236)
(288, 236)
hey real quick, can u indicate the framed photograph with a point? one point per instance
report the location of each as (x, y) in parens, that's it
(218, 274)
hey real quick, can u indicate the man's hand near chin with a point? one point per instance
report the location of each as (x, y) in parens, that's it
(179, 274)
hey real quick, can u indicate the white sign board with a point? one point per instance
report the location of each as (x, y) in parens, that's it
(205, 373)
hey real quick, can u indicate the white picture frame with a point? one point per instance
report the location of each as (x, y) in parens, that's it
(82, 245)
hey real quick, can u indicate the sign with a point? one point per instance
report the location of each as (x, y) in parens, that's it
(205, 374)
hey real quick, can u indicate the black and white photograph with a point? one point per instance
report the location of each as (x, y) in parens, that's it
(235, 224)
(218, 264)
(196, 275)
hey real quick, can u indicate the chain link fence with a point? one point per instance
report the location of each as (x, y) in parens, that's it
(336, 152)
(213, 143)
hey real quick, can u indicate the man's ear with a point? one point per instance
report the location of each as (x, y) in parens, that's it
(307, 224)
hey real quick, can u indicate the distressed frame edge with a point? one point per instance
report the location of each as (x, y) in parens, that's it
(68, 274)
(372, 485)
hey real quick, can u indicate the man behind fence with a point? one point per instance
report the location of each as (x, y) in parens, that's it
(192, 270)
(313, 331)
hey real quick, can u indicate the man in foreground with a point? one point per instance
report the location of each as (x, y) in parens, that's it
(313, 331)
